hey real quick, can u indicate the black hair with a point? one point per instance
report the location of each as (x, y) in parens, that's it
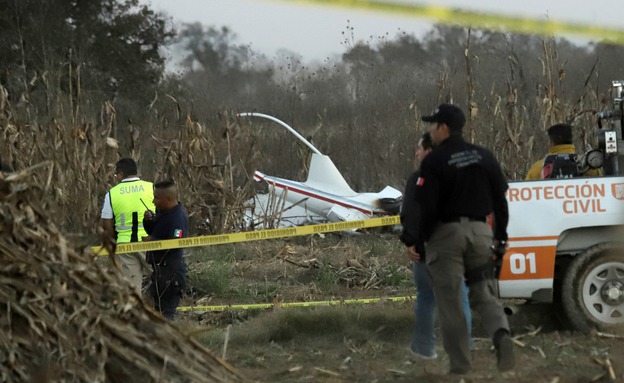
(560, 134)
(127, 166)
(426, 141)
(164, 184)
(169, 187)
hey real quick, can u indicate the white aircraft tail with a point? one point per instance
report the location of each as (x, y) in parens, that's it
(324, 175)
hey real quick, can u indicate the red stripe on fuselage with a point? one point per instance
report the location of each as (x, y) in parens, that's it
(317, 196)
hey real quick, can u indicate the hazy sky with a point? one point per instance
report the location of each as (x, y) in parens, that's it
(318, 31)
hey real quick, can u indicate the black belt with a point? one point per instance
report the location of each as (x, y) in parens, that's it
(459, 219)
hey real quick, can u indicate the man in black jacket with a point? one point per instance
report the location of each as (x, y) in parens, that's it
(169, 270)
(423, 336)
(459, 186)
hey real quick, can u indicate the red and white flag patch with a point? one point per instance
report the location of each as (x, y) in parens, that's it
(420, 181)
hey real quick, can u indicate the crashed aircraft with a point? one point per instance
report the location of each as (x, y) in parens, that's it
(324, 196)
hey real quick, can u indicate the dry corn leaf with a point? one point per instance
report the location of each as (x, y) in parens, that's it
(111, 142)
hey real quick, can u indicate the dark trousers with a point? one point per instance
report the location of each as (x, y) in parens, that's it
(168, 281)
(453, 249)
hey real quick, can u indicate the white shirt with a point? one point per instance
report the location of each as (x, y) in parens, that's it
(107, 208)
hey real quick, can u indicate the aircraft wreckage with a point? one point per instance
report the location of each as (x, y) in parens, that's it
(324, 197)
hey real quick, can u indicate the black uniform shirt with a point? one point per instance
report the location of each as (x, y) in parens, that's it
(169, 224)
(459, 179)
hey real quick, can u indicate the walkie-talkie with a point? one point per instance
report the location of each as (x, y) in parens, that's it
(148, 209)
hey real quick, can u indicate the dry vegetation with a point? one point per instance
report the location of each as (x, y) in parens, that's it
(65, 317)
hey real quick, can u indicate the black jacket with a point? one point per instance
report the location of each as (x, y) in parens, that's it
(411, 216)
(459, 179)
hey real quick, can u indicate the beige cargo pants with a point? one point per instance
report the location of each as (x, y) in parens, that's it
(132, 268)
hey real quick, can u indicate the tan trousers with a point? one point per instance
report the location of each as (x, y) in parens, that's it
(132, 269)
(453, 249)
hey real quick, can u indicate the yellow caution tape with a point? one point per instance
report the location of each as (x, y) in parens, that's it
(490, 21)
(261, 306)
(219, 239)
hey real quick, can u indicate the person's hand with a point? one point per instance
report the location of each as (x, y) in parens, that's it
(146, 238)
(148, 215)
(499, 248)
(412, 253)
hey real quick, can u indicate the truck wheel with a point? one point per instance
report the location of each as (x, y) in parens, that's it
(592, 292)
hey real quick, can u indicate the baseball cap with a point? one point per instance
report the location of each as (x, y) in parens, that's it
(447, 114)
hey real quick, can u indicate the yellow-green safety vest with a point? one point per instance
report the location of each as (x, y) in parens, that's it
(128, 200)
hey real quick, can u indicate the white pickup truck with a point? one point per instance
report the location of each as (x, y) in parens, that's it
(566, 243)
(566, 236)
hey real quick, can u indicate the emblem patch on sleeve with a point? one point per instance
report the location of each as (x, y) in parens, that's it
(177, 233)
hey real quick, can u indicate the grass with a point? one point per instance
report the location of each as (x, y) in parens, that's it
(306, 268)
(359, 323)
(396, 275)
(263, 291)
(210, 278)
(312, 344)
(327, 279)
(303, 268)
(271, 343)
(221, 253)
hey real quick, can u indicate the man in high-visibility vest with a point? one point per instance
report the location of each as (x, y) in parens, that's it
(122, 216)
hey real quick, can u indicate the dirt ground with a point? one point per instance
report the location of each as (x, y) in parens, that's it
(543, 354)
(546, 351)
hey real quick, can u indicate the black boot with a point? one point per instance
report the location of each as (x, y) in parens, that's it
(504, 350)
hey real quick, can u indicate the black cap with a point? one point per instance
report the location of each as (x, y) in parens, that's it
(447, 114)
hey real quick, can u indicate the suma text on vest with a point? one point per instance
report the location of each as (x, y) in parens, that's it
(131, 189)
